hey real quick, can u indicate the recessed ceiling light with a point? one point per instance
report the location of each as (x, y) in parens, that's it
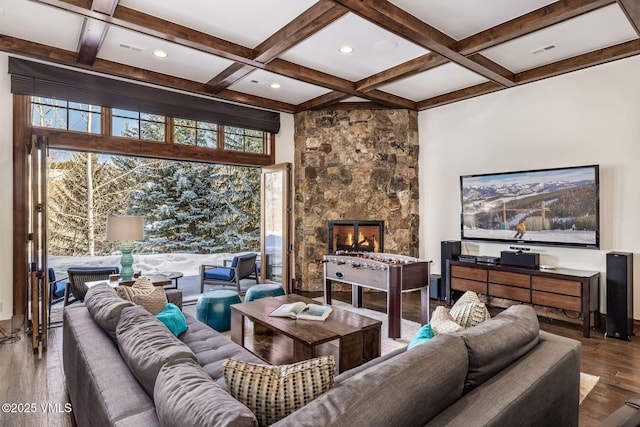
(275, 85)
(346, 50)
(160, 53)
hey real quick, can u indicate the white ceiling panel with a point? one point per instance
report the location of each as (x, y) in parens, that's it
(565, 40)
(245, 22)
(292, 91)
(25, 20)
(135, 49)
(374, 49)
(463, 18)
(434, 82)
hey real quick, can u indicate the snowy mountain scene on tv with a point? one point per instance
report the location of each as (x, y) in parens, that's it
(552, 206)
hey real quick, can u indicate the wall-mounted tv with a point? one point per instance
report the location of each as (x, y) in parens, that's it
(539, 207)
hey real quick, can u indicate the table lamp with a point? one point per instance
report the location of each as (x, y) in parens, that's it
(125, 229)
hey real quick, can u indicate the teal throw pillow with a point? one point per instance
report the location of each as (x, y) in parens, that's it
(423, 335)
(173, 319)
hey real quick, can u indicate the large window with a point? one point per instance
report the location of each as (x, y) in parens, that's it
(58, 114)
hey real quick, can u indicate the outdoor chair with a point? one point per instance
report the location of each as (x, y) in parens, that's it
(57, 288)
(78, 276)
(242, 267)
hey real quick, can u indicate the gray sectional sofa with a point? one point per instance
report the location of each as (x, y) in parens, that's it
(503, 372)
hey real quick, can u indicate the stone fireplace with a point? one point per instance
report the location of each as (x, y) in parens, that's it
(353, 164)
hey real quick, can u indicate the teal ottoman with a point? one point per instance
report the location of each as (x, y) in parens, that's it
(262, 291)
(214, 308)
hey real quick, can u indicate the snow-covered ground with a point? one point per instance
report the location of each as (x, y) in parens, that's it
(187, 264)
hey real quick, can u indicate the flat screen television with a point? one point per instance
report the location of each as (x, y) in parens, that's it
(539, 207)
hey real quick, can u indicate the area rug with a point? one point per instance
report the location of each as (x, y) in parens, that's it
(407, 328)
(587, 383)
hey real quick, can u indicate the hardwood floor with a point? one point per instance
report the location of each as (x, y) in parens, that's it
(28, 379)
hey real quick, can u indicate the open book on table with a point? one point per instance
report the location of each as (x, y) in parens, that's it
(300, 310)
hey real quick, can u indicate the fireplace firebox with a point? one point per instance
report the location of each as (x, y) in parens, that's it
(356, 236)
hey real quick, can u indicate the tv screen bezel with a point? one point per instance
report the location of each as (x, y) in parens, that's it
(535, 242)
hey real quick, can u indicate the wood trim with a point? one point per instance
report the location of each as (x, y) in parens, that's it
(227, 77)
(21, 139)
(526, 24)
(69, 140)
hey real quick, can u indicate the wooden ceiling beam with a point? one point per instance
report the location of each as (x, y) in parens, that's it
(256, 100)
(229, 76)
(313, 19)
(65, 57)
(631, 8)
(150, 25)
(528, 23)
(396, 20)
(459, 95)
(94, 31)
(322, 101)
(597, 57)
(407, 69)
(318, 16)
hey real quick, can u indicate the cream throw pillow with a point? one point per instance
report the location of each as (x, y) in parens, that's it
(442, 322)
(273, 392)
(143, 293)
(469, 311)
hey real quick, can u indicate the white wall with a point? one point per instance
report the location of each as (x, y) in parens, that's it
(588, 117)
(6, 191)
(285, 152)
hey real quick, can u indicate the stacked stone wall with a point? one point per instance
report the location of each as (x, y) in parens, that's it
(353, 165)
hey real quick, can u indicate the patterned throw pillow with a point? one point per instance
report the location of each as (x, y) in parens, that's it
(143, 293)
(273, 392)
(442, 322)
(469, 311)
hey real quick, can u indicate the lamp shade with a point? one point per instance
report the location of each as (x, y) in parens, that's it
(124, 228)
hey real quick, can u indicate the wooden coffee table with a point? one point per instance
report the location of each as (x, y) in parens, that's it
(357, 336)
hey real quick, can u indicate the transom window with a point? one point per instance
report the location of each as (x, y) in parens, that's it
(59, 114)
(137, 125)
(239, 139)
(192, 132)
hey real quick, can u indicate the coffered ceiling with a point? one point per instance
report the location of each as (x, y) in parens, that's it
(285, 54)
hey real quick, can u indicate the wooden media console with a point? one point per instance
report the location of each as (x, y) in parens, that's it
(560, 288)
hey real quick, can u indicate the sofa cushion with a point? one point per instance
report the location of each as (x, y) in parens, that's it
(406, 390)
(154, 302)
(185, 395)
(469, 311)
(496, 343)
(212, 348)
(105, 307)
(442, 322)
(146, 345)
(273, 392)
(173, 319)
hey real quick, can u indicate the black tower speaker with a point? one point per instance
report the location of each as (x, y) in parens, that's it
(449, 249)
(619, 295)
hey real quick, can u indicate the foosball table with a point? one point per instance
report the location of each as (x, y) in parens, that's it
(391, 273)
